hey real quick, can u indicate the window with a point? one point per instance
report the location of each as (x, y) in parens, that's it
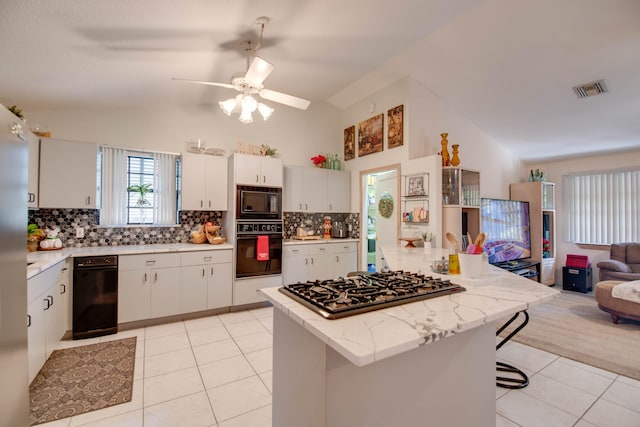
(603, 208)
(138, 188)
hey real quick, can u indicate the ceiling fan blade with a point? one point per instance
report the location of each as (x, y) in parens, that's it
(283, 98)
(227, 85)
(259, 70)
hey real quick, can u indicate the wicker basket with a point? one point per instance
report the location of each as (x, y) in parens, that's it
(198, 238)
(211, 232)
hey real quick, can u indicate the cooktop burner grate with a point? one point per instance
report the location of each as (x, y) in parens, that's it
(343, 297)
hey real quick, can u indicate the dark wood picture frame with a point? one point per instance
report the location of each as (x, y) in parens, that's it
(350, 142)
(395, 126)
(371, 135)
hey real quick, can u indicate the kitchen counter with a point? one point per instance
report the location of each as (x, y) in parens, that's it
(44, 259)
(316, 241)
(418, 357)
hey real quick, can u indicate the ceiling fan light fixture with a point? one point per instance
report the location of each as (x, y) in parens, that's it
(245, 116)
(264, 110)
(249, 103)
(228, 106)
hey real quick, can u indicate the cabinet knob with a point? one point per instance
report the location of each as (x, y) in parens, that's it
(207, 258)
(330, 207)
(88, 200)
(150, 262)
(257, 178)
(63, 288)
(28, 320)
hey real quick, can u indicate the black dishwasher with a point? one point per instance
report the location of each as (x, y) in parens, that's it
(95, 296)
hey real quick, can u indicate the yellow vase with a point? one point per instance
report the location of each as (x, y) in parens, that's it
(445, 152)
(455, 160)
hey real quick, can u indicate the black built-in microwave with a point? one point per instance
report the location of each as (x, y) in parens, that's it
(258, 202)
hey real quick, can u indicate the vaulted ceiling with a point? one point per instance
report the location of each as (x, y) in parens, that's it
(508, 66)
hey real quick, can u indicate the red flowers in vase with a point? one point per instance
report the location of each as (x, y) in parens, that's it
(546, 248)
(318, 160)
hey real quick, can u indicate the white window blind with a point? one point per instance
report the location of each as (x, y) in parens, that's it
(603, 207)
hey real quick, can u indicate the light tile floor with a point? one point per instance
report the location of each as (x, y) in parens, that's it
(216, 371)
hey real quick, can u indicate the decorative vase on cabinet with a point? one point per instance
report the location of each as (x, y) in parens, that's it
(455, 160)
(445, 152)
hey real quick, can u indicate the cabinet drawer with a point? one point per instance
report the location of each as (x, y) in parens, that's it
(344, 247)
(140, 262)
(206, 257)
(320, 249)
(294, 250)
(42, 281)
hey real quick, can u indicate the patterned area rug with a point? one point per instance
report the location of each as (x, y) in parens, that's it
(82, 379)
(574, 327)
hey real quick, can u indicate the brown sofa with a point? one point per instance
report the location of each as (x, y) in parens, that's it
(618, 308)
(624, 263)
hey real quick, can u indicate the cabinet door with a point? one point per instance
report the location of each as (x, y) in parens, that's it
(220, 285)
(193, 182)
(295, 266)
(271, 172)
(247, 170)
(65, 288)
(216, 183)
(315, 189)
(54, 318)
(293, 189)
(346, 259)
(34, 166)
(321, 266)
(68, 174)
(36, 336)
(193, 288)
(134, 295)
(338, 191)
(165, 291)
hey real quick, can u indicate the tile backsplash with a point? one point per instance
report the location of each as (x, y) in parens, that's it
(294, 219)
(94, 235)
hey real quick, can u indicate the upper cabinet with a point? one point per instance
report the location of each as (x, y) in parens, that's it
(460, 202)
(68, 174)
(34, 169)
(204, 182)
(316, 190)
(257, 170)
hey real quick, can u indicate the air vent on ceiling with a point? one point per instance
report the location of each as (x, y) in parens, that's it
(590, 89)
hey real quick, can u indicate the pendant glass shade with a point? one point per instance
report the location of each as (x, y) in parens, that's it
(247, 105)
(265, 111)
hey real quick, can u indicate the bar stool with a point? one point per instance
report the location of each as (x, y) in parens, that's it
(521, 380)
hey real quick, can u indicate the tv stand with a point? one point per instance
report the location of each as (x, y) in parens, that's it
(523, 267)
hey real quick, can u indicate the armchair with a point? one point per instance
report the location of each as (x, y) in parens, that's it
(624, 264)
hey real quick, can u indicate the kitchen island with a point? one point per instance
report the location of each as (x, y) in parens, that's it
(430, 362)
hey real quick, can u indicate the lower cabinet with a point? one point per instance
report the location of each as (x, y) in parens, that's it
(159, 285)
(46, 316)
(148, 286)
(206, 280)
(318, 261)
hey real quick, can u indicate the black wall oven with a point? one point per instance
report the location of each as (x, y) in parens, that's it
(249, 260)
(258, 202)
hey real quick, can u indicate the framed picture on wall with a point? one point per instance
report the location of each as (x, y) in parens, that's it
(416, 186)
(350, 142)
(395, 126)
(370, 135)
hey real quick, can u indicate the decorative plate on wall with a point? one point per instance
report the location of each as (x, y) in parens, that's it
(385, 205)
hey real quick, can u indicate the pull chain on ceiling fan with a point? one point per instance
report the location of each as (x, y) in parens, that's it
(251, 83)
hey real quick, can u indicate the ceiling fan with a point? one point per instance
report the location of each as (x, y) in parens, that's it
(251, 83)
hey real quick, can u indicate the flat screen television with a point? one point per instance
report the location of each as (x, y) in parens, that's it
(506, 224)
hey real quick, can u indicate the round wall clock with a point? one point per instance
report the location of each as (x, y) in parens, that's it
(385, 205)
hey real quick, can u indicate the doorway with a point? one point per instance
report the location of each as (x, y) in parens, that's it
(379, 210)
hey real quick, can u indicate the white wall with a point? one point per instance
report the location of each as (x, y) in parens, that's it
(297, 135)
(555, 170)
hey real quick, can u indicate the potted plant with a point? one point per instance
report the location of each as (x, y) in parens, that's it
(427, 238)
(34, 236)
(142, 190)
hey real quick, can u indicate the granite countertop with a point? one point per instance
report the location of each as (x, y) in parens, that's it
(44, 259)
(372, 336)
(287, 242)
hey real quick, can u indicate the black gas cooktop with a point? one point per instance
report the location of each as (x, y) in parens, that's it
(343, 297)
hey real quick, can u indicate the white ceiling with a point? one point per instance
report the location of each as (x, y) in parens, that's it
(508, 66)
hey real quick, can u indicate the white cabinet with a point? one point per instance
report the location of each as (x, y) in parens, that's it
(45, 317)
(148, 286)
(257, 170)
(316, 190)
(68, 174)
(206, 280)
(34, 169)
(204, 182)
(319, 261)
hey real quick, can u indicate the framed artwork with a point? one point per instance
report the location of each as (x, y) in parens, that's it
(370, 135)
(416, 186)
(350, 142)
(395, 126)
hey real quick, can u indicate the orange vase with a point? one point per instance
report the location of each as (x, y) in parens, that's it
(455, 160)
(445, 152)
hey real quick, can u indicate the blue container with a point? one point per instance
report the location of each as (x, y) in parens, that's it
(371, 268)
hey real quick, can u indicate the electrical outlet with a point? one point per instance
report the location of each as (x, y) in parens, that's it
(79, 232)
